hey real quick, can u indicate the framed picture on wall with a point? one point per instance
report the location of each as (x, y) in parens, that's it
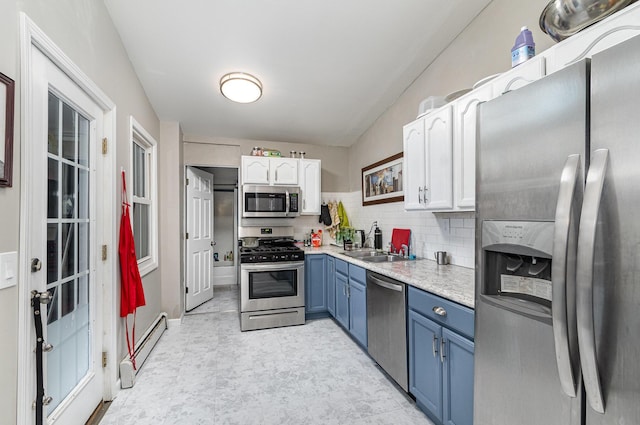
(7, 87)
(382, 181)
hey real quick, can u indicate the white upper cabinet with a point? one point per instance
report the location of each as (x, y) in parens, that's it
(464, 147)
(413, 165)
(255, 170)
(427, 162)
(438, 135)
(283, 171)
(269, 171)
(607, 33)
(310, 186)
(520, 76)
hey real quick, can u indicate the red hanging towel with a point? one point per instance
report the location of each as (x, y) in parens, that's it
(131, 291)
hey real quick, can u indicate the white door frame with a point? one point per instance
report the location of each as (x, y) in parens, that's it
(31, 35)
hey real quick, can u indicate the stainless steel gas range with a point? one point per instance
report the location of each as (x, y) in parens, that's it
(271, 281)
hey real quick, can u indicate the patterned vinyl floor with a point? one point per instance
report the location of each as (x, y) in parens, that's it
(206, 371)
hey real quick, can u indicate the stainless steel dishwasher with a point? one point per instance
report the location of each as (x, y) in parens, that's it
(387, 325)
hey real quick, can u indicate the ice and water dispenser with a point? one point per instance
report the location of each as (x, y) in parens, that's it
(516, 269)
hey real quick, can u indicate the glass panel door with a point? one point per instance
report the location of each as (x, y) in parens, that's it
(273, 284)
(68, 249)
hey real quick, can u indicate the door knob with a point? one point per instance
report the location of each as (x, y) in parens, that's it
(36, 265)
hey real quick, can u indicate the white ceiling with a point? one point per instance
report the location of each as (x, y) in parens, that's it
(329, 68)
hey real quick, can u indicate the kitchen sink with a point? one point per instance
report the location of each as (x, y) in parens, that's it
(383, 258)
(362, 253)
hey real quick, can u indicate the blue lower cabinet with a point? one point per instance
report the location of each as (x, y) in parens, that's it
(331, 285)
(357, 307)
(351, 299)
(342, 299)
(315, 285)
(457, 379)
(440, 359)
(425, 368)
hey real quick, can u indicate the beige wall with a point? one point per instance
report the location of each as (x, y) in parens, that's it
(224, 152)
(482, 49)
(85, 33)
(171, 192)
(10, 219)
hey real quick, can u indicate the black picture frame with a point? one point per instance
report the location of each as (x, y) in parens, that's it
(7, 98)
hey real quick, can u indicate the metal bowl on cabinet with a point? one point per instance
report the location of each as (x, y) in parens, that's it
(561, 19)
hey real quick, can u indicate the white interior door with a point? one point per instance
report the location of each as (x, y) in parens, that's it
(65, 217)
(199, 211)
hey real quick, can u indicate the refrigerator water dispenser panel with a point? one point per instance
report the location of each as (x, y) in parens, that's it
(517, 262)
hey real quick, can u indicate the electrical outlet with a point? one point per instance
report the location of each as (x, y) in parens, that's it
(444, 225)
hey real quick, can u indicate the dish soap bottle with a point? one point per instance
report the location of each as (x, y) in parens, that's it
(377, 238)
(524, 48)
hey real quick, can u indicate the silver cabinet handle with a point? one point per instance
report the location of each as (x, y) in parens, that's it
(584, 294)
(440, 311)
(442, 347)
(434, 346)
(425, 195)
(419, 195)
(563, 273)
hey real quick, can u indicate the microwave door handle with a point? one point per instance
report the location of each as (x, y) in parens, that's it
(287, 202)
(563, 276)
(584, 294)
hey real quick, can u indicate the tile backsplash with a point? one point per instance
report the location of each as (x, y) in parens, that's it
(430, 232)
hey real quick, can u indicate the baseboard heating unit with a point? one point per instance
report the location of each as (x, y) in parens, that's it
(142, 350)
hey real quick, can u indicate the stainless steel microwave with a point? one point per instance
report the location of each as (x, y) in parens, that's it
(270, 201)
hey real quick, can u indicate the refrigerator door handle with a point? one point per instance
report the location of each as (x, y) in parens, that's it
(584, 295)
(563, 273)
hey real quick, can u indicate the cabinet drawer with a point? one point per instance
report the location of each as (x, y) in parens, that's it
(357, 273)
(458, 317)
(342, 267)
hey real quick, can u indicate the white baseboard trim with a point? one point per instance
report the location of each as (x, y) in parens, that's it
(172, 323)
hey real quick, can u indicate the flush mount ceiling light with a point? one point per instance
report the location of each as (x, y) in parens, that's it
(240, 87)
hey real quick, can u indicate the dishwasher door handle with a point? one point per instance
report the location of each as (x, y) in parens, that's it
(388, 285)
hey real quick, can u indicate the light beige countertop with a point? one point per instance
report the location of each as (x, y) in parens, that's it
(454, 283)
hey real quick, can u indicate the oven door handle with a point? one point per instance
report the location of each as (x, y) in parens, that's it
(258, 267)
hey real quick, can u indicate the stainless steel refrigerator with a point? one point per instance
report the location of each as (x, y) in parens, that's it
(558, 248)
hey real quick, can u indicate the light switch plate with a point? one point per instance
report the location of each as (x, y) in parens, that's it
(8, 269)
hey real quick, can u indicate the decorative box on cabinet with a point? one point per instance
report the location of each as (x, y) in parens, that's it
(441, 357)
(310, 186)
